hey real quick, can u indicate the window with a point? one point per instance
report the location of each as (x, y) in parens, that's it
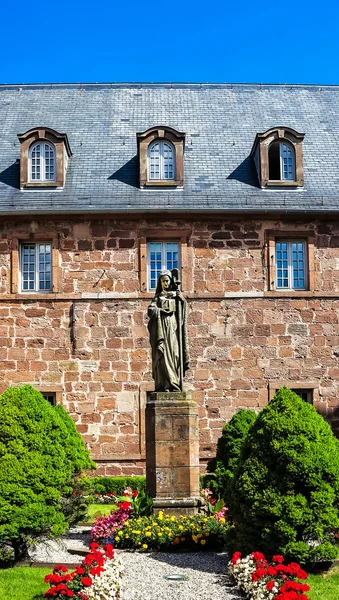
(161, 157)
(44, 155)
(50, 397)
(161, 161)
(291, 272)
(305, 394)
(278, 157)
(161, 255)
(35, 267)
(281, 161)
(42, 162)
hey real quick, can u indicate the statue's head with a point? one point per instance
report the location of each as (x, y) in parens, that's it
(165, 282)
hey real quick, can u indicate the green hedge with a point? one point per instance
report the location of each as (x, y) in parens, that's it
(111, 485)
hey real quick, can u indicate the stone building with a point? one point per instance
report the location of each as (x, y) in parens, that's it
(103, 185)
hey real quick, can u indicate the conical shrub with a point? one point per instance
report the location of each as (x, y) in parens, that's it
(285, 492)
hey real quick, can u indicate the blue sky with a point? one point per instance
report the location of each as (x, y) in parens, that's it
(250, 41)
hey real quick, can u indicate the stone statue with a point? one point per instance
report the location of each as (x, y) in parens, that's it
(167, 327)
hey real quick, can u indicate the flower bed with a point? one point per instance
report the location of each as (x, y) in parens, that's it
(97, 578)
(196, 532)
(261, 580)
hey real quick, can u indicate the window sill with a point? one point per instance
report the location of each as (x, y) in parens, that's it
(287, 184)
(173, 183)
(42, 184)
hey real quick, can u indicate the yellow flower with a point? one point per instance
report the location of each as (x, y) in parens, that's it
(183, 539)
(199, 535)
(195, 539)
(202, 542)
(173, 518)
(148, 534)
(207, 533)
(145, 546)
(222, 520)
(180, 527)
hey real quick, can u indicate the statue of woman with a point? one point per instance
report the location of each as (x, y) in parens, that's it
(167, 327)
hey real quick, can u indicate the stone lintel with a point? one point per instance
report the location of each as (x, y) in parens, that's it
(177, 506)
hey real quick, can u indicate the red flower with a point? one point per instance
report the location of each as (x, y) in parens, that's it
(270, 585)
(124, 505)
(86, 581)
(278, 558)
(236, 556)
(94, 545)
(135, 493)
(60, 568)
(79, 570)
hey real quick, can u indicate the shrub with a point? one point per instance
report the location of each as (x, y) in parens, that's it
(111, 485)
(228, 452)
(285, 491)
(40, 453)
(164, 532)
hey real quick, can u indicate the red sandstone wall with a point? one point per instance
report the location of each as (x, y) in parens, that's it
(244, 340)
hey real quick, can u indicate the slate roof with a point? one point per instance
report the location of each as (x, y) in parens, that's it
(220, 122)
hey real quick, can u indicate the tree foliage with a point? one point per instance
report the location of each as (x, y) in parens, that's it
(40, 454)
(228, 451)
(285, 492)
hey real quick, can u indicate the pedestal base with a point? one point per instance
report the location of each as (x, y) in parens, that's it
(172, 452)
(177, 506)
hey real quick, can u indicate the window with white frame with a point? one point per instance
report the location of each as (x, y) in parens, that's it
(161, 161)
(281, 161)
(42, 162)
(50, 397)
(36, 267)
(161, 255)
(291, 264)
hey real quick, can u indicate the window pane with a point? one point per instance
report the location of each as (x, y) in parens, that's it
(49, 163)
(287, 155)
(168, 161)
(35, 162)
(28, 266)
(281, 264)
(154, 161)
(44, 251)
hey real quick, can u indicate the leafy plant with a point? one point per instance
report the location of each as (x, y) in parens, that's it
(285, 493)
(40, 454)
(142, 504)
(228, 452)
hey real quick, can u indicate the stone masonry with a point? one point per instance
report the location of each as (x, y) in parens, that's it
(88, 342)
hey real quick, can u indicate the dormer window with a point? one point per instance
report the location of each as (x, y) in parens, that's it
(278, 157)
(44, 155)
(281, 161)
(161, 161)
(161, 157)
(41, 162)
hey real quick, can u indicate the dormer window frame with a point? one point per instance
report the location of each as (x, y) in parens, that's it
(163, 135)
(62, 151)
(260, 153)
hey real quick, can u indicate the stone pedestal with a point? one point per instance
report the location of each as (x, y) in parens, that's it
(172, 452)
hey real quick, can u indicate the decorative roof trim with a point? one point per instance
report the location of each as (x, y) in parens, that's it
(41, 132)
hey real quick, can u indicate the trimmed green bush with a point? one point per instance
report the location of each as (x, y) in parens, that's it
(285, 492)
(228, 451)
(111, 485)
(41, 453)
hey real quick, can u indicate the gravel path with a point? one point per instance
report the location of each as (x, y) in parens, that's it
(205, 572)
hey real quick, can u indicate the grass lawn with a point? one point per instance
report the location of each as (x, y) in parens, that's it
(323, 587)
(99, 510)
(22, 583)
